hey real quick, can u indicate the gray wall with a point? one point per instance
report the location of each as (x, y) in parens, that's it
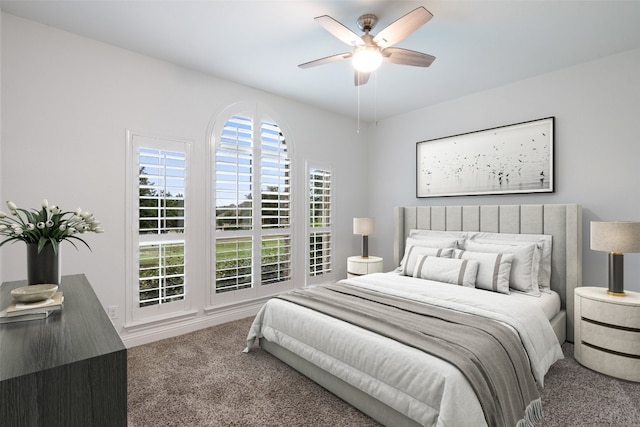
(597, 149)
(67, 100)
(66, 103)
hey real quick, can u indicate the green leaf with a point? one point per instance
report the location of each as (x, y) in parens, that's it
(10, 239)
(54, 243)
(77, 238)
(41, 243)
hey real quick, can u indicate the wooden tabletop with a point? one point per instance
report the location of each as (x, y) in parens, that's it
(80, 330)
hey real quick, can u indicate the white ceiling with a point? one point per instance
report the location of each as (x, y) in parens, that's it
(478, 44)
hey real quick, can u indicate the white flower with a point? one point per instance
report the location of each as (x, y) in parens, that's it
(48, 223)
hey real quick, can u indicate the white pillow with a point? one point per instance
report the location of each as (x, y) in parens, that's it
(524, 268)
(440, 242)
(427, 243)
(493, 269)
(414, 252)
(458, 236)
(544, 242)
(460, 272)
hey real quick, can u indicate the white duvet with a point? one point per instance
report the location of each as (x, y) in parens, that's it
(424, 388)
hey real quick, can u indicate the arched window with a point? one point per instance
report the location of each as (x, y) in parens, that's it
(252, 208)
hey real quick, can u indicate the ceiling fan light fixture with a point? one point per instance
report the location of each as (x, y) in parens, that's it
(367, 59)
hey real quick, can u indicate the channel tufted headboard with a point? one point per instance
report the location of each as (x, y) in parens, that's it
(562, 221)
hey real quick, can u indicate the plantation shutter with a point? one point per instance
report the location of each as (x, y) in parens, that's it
(320, 213)
(275, 179)
(275, 186)
(252, 208)
(234, 205)
(161, 225)
(233, 264)
(234, 175)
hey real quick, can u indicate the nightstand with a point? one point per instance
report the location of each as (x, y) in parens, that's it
(607, 332)
(359, 266)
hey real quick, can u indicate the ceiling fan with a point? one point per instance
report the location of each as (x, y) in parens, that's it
(370, 51)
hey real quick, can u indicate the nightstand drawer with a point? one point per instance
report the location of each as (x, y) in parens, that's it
(610, 364)
(612, 314)
(611, 338)
(358, 268)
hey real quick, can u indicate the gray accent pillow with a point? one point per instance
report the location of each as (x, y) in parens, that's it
(427, 243)
(413, 252)
(460, 272)
(493, 269)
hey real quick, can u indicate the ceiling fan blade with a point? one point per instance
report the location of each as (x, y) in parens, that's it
(397, 55)
(402, 27)
(339, 30)
(326, 60)
(360, 78)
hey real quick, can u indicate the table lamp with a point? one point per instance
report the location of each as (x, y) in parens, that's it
(615, 237)
(365, 227)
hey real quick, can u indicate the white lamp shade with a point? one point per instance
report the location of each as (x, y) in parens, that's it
(364, 226)
(615, 236)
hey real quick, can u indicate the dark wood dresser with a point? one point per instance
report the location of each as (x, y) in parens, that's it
(69, 369)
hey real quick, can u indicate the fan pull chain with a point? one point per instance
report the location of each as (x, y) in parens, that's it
(375, 98)
(358, 90)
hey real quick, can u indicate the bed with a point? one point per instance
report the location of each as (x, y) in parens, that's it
(393, 381)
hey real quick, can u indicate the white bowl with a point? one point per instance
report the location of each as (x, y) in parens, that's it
(33, 293)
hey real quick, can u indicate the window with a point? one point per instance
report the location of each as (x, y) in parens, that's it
(319, 226)
(158, 186)
(161, 226)
(252, 199)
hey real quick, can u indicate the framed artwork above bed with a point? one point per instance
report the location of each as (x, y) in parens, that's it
(517, 158)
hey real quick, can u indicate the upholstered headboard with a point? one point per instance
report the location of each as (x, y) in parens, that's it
(562, 221)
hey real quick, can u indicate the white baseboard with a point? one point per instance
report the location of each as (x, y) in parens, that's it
(211, 318)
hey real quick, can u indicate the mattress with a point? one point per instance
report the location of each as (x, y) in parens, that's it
(424, 388)
(548, 302)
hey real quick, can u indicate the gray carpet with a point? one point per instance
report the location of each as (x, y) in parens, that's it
(202, 379)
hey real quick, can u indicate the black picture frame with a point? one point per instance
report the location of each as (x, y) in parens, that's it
(512, 159)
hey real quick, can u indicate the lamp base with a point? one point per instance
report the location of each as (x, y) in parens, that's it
(616, 294)
(616, 274)
(365, 246)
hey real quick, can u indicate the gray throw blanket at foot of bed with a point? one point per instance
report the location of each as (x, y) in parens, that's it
(487, 353)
